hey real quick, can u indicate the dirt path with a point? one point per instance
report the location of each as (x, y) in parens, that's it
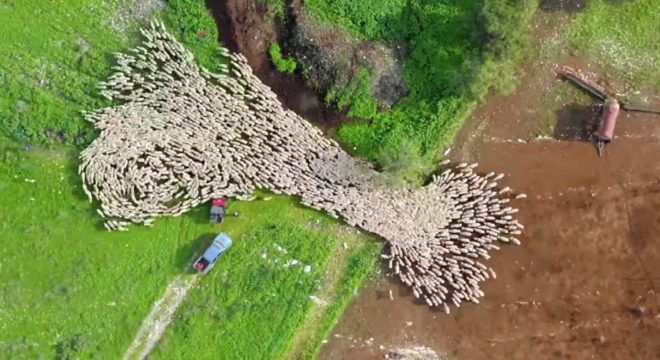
(159, 318)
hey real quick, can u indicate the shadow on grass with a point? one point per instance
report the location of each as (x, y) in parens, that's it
(186, 254)
(200, 214)
(575, 123)
(75, 184)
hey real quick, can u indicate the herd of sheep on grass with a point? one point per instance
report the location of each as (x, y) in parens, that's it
(181, 135)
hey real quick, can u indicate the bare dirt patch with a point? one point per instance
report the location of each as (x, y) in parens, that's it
(135, 12)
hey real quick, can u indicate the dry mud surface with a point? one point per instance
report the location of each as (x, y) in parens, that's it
(584, 283)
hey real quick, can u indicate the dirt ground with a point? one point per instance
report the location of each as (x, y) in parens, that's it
(584, 283)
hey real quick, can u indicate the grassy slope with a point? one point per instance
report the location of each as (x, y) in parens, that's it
(48, 69)
(68, 286)
(624, 37)
(49, 72)
(252, 306)
(457, 51)
(71, 289)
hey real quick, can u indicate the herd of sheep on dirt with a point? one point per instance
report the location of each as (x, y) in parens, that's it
(181, 135)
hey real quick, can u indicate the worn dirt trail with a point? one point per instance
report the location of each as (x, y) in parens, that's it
(584, 283)
(154, 325)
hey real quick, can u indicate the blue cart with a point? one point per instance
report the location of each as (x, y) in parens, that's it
(207, 261)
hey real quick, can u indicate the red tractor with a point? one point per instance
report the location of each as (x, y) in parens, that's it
(218, 210)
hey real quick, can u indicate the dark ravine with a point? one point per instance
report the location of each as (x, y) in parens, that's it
(249, 28)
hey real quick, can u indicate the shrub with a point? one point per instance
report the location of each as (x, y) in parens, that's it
(356, 96)
(365, 19)
(278, 8)
(194, 26)
(282, 64)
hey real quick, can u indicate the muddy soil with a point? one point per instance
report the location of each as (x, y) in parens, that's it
(249, 27)
(584, 283)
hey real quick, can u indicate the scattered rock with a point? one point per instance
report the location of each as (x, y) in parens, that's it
(638, 311)
(598, 340)
(318, 300)
(134, 12)
(413, 353)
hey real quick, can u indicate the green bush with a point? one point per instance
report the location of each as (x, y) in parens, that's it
(356, 96)
(504, 41)
(622, 37)
(277, 7)
(365, 19)
(193, 25)
(283, 65)
(457, 52)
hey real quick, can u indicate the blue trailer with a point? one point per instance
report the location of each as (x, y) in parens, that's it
(207, 261)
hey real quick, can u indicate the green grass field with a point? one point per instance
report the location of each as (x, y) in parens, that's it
(253, 306)
(73, 290)
(52, 56)
(70, 287)
(623, 37)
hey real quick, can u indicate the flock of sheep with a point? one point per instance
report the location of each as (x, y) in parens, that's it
(181, 136)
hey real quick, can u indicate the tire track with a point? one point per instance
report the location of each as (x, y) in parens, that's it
(161, 315)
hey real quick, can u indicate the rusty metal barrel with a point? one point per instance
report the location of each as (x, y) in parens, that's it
(607, 121)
